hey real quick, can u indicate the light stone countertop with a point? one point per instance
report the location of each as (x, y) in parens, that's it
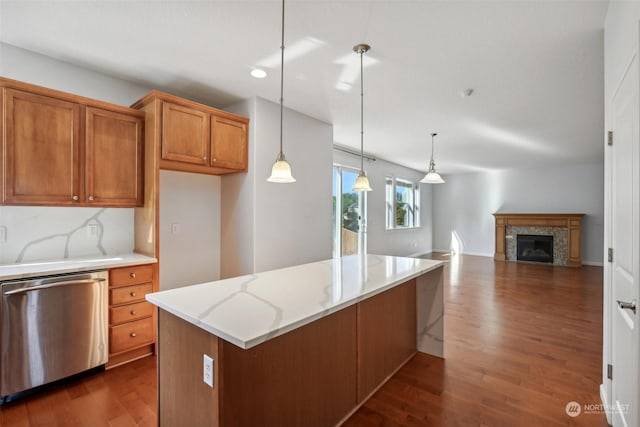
(70, 265)
(252, 309)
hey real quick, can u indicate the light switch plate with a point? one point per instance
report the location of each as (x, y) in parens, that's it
(175, 228)
(3, 233)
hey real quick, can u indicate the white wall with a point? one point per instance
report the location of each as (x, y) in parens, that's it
(191, 254)
(465, 204)
(34, 229)
(238, 206)
(620, 42)
(391, 242)
(30, 67)
(290, 223)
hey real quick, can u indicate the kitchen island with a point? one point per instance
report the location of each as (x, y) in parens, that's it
(303, 345)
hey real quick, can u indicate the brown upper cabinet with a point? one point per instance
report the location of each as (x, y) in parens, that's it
(185, 134)
(113, 158)
(228, 143)
(194, 137)
(64, 150)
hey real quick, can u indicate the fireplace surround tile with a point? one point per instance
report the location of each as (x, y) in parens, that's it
(560, 241)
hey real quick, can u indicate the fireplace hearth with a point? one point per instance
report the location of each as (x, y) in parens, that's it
(534, 248)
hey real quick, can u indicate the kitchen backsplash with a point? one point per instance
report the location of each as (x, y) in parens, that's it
(31, 233)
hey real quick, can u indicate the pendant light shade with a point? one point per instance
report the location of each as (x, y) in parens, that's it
(362, 182)
(281, 171)
(432, 177)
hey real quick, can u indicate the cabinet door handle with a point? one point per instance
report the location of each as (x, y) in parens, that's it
(91, 198)
(133, 294)
(132, 275)
(215, 160)
(133, 334)
(204, 158)
(75, 198)
(133, 312)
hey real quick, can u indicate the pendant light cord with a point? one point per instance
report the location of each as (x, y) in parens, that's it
(361, 111)
(281, 155)
(432, 164)
(432, 148)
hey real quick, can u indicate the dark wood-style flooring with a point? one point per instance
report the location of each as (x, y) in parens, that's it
(522, 340)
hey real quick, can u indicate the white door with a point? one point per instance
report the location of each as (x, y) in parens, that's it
(625, 194)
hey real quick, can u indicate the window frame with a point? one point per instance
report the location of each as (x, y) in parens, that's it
(391, 223)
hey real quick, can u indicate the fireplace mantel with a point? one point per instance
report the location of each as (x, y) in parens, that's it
(570, 221)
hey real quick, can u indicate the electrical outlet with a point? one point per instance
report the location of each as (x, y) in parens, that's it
(92, 230)
(3, 233)
(207, 372)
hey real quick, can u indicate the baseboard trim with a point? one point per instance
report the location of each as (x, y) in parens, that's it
(478, 254)
(593, 263)
(440, 250)
(465, 253)
(418, 254)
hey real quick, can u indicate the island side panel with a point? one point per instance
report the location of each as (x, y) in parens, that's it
(183, 398)
(306, 377)
(386, 335)
(430, 312)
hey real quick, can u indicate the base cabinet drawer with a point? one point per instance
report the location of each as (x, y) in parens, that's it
(125, 276)
(130, 334)
(129, 294)
(129, 312)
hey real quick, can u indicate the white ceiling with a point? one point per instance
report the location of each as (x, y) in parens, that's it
(536, 67)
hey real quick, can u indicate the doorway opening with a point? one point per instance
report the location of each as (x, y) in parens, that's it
(349, 213)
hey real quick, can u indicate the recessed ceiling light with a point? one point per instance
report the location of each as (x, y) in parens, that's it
(258, 73)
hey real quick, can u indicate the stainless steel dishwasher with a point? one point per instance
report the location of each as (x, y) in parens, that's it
(51, 327)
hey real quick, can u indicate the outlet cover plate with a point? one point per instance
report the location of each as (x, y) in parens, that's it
(207, 370)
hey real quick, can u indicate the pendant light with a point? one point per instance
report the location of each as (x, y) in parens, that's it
(362, 182)
(432, 177)
(281, 171)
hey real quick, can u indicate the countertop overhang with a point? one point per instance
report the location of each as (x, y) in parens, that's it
(71, 265)
(252, 309)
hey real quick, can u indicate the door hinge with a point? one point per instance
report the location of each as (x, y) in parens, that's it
(610, 255)
(610, 371)
(610, 137)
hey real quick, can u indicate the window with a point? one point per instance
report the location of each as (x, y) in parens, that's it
(402, 203)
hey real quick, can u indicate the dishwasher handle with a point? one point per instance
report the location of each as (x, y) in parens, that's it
(54, 285)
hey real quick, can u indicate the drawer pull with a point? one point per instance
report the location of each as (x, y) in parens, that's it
(133, 294)
(132, 275)
(133, 312)
(133, 334)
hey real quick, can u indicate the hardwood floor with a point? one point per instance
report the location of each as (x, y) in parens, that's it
(123, 396)
(522, 340)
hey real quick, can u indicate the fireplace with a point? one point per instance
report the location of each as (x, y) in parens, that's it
(534, 248)
(564, 227)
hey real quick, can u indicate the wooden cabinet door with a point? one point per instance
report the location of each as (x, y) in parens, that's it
(113, 166)
(185, 134)
(42, 141)
(228, 144)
